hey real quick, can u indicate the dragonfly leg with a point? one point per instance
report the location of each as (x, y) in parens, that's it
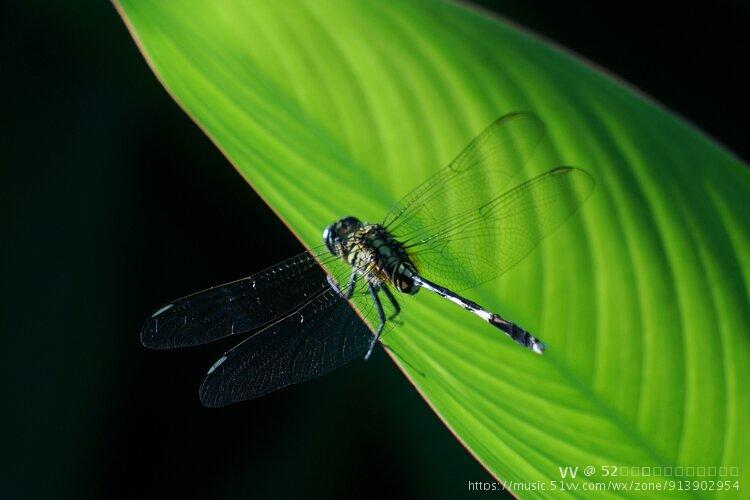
(392, 300)
(349, 287)
(381, 316)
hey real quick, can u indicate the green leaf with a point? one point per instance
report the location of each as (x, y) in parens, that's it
(331, 108)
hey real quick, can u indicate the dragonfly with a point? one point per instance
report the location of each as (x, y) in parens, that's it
(320, 309)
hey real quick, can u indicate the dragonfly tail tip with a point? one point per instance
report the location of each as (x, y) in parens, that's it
(538, 346)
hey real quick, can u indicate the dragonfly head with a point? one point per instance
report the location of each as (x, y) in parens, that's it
(335, 234)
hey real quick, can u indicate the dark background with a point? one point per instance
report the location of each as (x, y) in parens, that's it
(114, 203)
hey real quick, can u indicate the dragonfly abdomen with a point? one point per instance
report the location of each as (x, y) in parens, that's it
(372, 248)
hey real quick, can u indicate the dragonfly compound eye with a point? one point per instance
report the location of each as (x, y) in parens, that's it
(347, 225)
(328, 238)
(337, 233)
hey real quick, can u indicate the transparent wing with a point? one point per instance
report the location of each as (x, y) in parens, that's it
(243, 305)
(479, 245)
(320, 336)
(481, 171)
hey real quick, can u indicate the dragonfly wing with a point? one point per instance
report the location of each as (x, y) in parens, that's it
(322, 335)
(482, 244)
(482, 169)
(242, 305)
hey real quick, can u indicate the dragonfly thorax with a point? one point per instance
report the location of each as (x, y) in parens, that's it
(373, 252)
